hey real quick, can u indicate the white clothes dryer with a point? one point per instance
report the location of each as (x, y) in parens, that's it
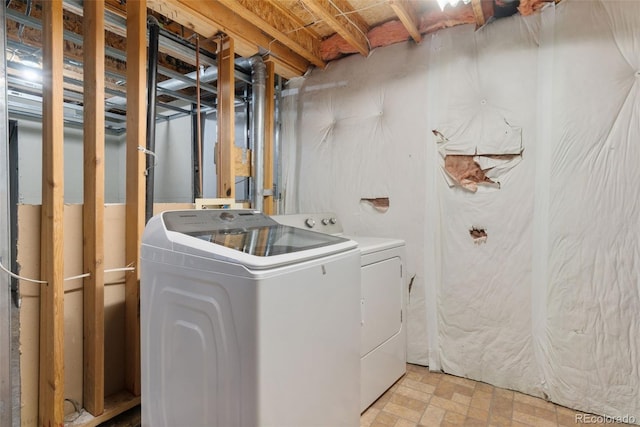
(246, 322)
(383, 339)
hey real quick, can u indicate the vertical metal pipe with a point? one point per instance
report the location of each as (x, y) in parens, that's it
(277, 146)
(152, 83)
(196, 154)
(258, 82)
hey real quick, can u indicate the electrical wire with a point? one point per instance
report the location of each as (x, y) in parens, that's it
(113, 270)
(15, 276)
(364, 8)
(79, 276)
(150, 153)
(77, 408)
(351, 22)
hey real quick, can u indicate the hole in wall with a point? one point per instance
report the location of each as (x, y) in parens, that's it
(479, 235)
(380, 204)
(469, 171)
(480, 154)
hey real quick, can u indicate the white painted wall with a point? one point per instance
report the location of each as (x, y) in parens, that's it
(210, 138)
(173, 181)
(173, 173)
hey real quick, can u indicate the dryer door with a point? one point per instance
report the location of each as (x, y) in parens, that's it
(381, 303)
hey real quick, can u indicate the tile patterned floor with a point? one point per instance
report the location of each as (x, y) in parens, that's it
(423, 398)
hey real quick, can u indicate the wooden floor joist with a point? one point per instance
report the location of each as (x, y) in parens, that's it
(136, 138)
(51, 376)
(93, 208)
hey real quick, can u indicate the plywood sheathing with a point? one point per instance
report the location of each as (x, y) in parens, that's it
(117, 399)
(27, 256)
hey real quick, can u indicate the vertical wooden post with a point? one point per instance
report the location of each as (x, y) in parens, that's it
(136, 137)
(269, 125)
(51, 389)
(226, 120)
(93, 210)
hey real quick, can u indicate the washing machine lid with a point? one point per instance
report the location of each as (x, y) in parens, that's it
(247, 237)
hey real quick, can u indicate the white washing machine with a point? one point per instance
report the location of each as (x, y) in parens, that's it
(383, 332)
(246, 322)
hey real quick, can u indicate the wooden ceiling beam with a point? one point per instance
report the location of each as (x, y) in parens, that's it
(340, 16)
(272, 21)
(284, 69)
(115, 24)
(210, 18)
(476, 5)
(299, 22)
(405, 11)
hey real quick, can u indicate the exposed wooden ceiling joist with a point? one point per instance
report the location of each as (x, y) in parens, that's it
(272, 21)
(115, 23)
(340, 16)
(210, 17)
(478, 13)
(407, 15)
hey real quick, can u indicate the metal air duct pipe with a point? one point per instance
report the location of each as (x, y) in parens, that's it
(152, 81)
(258, 91)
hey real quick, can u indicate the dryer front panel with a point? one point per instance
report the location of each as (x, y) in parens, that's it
(381, 303)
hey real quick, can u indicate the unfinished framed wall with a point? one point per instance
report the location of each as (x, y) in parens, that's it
(79, 333)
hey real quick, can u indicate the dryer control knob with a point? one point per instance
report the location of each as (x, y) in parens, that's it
(333, 220)
(325, 221)
(310, 222)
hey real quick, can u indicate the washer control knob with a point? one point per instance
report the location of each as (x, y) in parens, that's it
(325, 221)
(333, 220)
(226, 216)
(310, 222)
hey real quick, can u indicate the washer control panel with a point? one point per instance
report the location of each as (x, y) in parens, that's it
(323, 222)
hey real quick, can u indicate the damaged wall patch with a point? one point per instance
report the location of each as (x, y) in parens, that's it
(479, 235)
(467, 166)
(468, 171)
(381, 204)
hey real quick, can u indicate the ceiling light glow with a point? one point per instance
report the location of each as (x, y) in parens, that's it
(453, 3)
